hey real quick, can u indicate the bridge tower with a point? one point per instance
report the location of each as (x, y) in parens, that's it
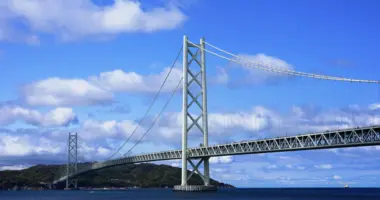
(72, 160)
(194, 86)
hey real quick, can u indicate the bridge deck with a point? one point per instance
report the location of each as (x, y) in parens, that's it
(364, 136)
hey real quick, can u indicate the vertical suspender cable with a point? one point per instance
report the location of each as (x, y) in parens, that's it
(150, 106)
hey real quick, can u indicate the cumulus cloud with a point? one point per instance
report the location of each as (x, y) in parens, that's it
(264, 122)
(92, 152)
(120, 81)
(63, 92)
(55, 117)
(221, 125)
(258, 122)
(336, 177)
(93, 129)
(168, 131)
(72, 19)
(36, 146)
(26, 145)
(96, 89)
(258, 119)
(221, 160)
(374, 106)
(104, 130)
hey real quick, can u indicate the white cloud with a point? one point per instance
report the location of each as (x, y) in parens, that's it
(258, 122)
(336, 177)
(175, 164)
(221, 160)
(103, 151)
(62, 92)
(26, 148)
(323, 166)
(214, 160)
(13, 167)
(374, 106)
(169, 126)
(120, 81)
(14, 146)
(56, 117)
(25, 145)
(259, 119)
(225, 159)
(92, 129)
(71, 19)
(97, 89)
(92, 152)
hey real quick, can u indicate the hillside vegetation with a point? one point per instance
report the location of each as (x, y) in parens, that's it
(140, 175)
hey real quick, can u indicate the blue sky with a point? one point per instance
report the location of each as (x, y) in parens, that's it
(94, 66)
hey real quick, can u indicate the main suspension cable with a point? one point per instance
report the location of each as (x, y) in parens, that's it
(157, 117)
(265, 67)
(150, 106)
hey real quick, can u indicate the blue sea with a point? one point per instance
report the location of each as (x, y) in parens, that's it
(256, 194)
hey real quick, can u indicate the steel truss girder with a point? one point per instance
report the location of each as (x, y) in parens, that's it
(364, 136)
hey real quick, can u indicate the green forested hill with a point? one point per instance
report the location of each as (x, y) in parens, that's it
(141, 175)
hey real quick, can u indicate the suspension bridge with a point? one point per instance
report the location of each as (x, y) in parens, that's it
(194, 113)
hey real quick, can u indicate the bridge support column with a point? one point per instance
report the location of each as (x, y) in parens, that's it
(194, 87)
(72, 161)
(206, 172)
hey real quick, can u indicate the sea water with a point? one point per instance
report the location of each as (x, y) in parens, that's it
(257, 194)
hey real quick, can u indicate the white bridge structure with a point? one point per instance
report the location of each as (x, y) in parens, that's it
(195, 77)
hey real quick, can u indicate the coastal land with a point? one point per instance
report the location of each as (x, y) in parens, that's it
(120, 177)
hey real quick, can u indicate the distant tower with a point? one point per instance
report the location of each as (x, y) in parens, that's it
(194, 86)
(72, 160)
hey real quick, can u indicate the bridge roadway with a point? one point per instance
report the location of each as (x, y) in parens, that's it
(354, 137)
